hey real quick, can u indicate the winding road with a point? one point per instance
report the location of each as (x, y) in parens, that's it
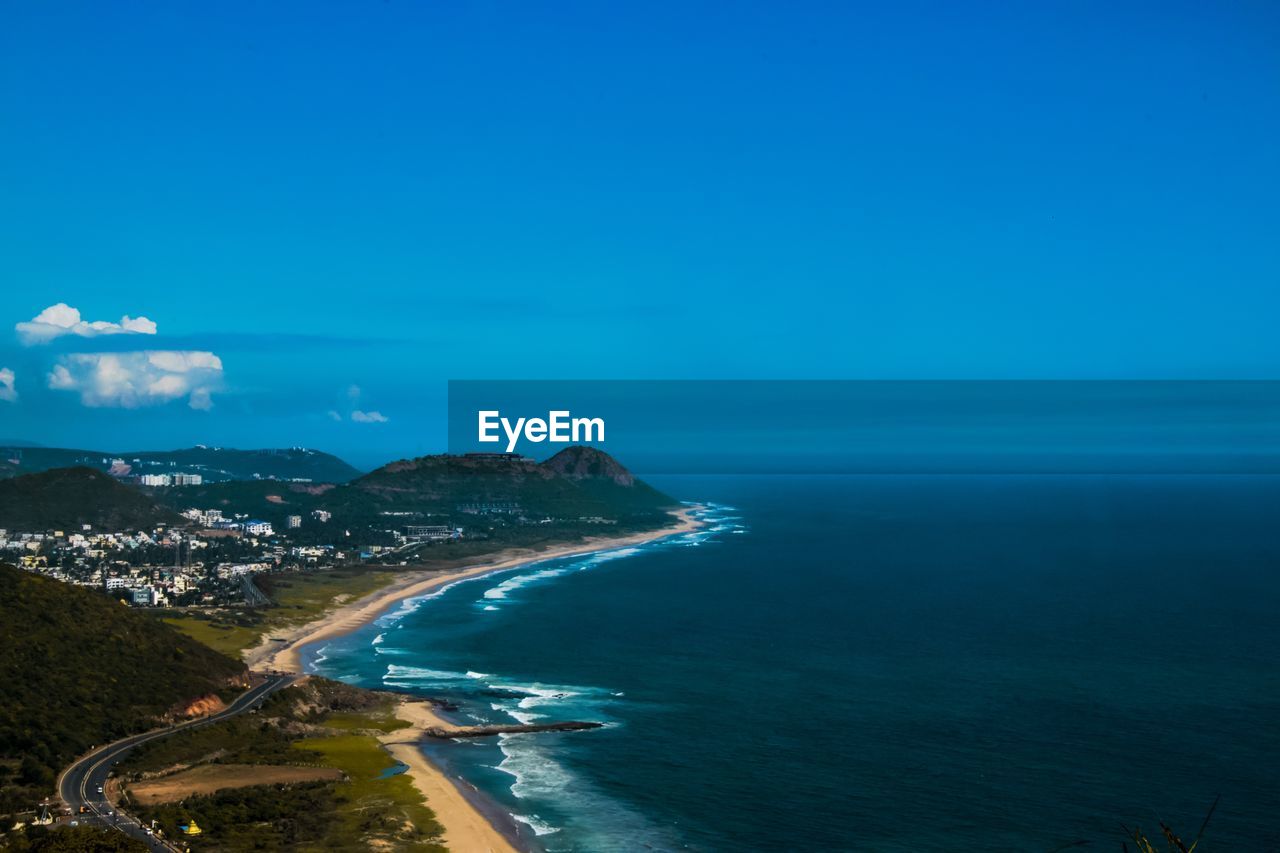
(83, 783)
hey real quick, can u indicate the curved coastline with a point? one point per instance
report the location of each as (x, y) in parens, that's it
(466, 826)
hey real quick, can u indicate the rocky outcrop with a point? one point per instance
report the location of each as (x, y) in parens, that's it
(587, 463)
(486, 731)
(202, 707)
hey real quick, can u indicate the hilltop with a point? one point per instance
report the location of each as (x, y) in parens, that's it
(215, 464)
(603, 480)
(589, 463)
(578, 482)
(67, 498)
(78, 669)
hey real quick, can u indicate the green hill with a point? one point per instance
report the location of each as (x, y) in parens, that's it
(575, 483)
(603, 480)
(79, 669)
(66, 498)
(215, 464)
(270, 500)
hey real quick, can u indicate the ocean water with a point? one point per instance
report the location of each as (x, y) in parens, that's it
(876, 663)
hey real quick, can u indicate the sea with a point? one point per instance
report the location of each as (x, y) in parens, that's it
(874, 663)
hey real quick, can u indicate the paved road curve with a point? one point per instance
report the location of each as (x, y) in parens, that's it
(83, 783)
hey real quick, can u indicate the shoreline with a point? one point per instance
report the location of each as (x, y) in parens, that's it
(466, 826)
(285, 656)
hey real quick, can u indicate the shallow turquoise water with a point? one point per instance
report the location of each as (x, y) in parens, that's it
(877, 663)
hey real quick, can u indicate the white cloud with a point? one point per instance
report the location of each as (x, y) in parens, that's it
(353, 394)
(7, 392)
(61, 319)
(130, 380)
(200, 399)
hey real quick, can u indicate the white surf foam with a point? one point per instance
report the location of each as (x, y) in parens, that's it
(320, 658)
(535, 773)
(578, 564)
(411, 605)
(512, 584)
(524, 718)
(537, 824)
(411, 675)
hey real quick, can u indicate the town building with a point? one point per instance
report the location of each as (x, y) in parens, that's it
(490, 508)
(431, 532)
(145, 596)
(204, 517)
(171, 479)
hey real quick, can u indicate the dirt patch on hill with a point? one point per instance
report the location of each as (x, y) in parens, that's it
(210, 704)
(209, 778)
(318, 489)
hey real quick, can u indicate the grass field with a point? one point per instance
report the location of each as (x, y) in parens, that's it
(298, 598)
(257, 783)
(372, 799)
(226, 637)
(383, 722)
(210, 778)
(301, 597)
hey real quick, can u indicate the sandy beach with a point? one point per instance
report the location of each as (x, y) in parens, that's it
(281, 650)
(465, 827)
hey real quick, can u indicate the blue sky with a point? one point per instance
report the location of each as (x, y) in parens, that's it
(348, 204)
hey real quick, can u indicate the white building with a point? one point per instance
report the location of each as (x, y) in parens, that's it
(235, 570)
(431, 532)
(179, 479)
(145, 597)
(293, 522)
(205, 517)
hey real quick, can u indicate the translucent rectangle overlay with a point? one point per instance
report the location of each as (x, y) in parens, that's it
(882, 427)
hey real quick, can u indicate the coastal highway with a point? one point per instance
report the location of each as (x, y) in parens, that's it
(84, 782)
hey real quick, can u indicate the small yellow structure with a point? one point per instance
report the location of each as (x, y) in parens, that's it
(192, 828)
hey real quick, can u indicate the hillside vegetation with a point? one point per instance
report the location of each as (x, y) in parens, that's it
(67, 498)
(78, 669)
(578, 482)
(318, 723)
(213, 463)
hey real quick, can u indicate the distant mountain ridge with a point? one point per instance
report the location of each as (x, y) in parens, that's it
(215, 464)
(578, 482)
(67, 498)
